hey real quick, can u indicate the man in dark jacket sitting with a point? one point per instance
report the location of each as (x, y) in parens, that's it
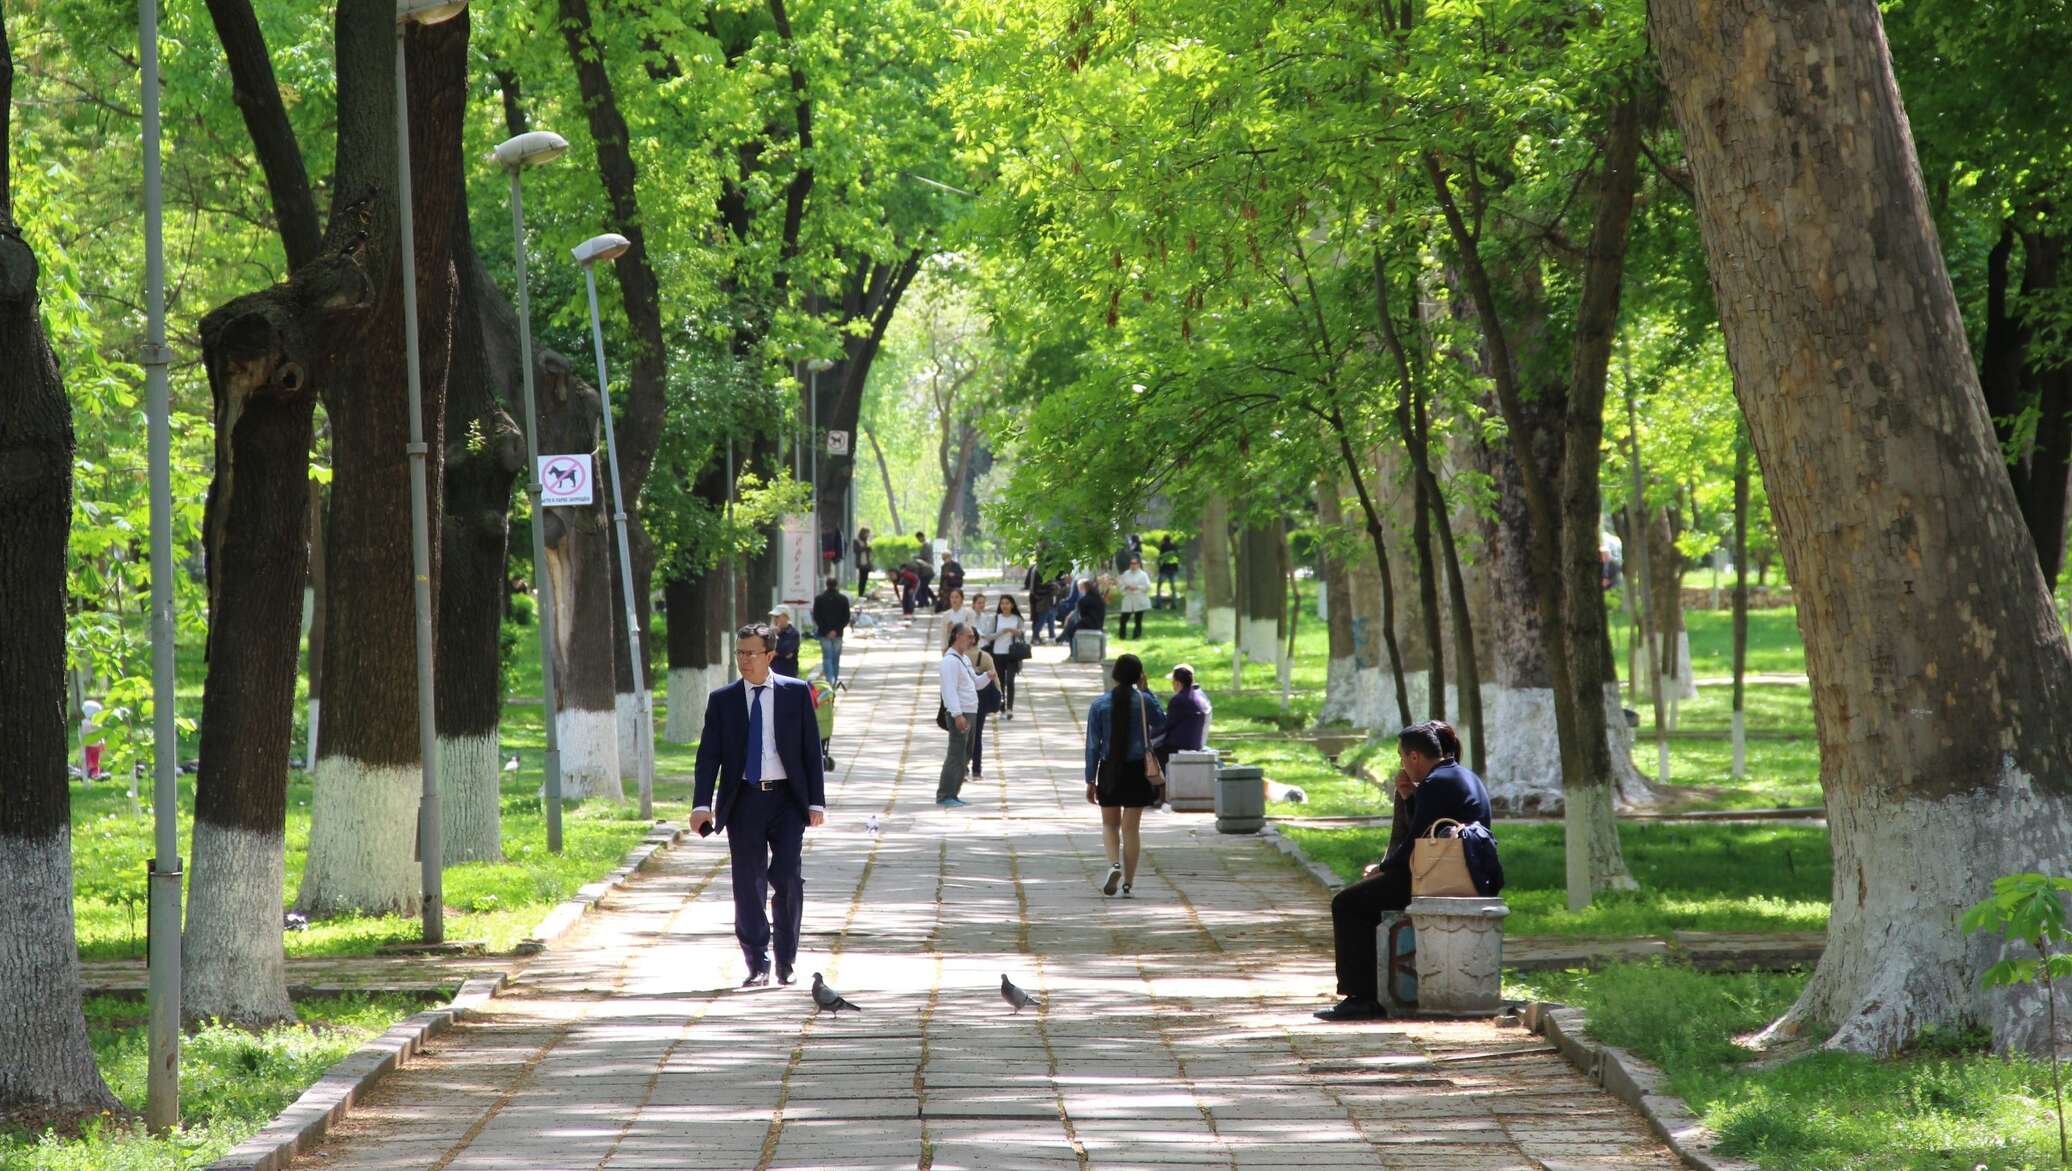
(1432, 785)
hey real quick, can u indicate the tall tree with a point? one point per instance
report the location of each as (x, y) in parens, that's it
(46, 1066)
(1940, 672)
(366, 780)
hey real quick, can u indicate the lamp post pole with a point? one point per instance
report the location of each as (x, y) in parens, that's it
(431, 846)
(162, 1085)
(587, 254)
(532, 149)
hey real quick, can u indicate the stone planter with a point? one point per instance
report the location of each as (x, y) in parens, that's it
(1240, 800)
(1191, 781)
(1460, 955)
(1089, 646)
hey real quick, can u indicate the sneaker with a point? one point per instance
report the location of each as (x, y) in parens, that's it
(1006, 715)
(952, 803)
(1125, 890)
(1353, 1008)
(1114, 879)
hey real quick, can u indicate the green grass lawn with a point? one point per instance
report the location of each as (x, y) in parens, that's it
(232, 1083)
(1693, 877)
(1947, 1106)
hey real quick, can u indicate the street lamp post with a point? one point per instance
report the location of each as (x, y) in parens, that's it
(431, 848)
(162, 1084)
(611, 246)
(813, 369)
(531, 149)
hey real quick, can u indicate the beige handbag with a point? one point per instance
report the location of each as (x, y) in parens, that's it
(1151, 770)
(1439, 866)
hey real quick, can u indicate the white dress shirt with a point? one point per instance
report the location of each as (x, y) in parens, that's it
(959, 685)
(773, 764)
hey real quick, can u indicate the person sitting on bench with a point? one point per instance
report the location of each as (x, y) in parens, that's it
(1430, 786)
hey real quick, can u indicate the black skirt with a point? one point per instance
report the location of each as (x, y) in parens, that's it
(1121, 784)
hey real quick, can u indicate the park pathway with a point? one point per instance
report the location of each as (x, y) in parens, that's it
(1175, 1030)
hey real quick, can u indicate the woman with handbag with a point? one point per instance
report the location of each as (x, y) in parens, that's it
(1010, 648)
(1122, 774)
(1432, 786)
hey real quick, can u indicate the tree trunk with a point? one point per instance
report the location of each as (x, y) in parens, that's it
(638, 432)
(1939, 668)
(1556, 698)
(1218, 585)
(885, 470)
(366, 783)
(46, 1065)
(2019, 377)
(1341, 674)
(1259, 560)
(585, 704)
(699, 627)
(256, 534)
(485, 455)
(1670, 650)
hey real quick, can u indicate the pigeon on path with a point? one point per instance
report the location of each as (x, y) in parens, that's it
(828, 998)
(870, 824)
(1015, 996)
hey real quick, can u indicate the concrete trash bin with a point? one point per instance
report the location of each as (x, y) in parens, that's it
(1191, 781)
(1460, 955)
(1240, 800)
(1089, 646)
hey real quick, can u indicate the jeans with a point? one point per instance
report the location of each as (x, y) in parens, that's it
(978, 744)
(1046, 620)
(831, 657)
(956, 755)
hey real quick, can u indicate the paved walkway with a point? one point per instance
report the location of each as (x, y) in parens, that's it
(1175, 1030)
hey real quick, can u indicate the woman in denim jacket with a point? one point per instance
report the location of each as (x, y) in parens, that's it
(1119, 728)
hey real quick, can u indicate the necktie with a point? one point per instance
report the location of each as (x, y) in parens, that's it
(753, 769)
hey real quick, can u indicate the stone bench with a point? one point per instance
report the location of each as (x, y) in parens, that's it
(1442, 957)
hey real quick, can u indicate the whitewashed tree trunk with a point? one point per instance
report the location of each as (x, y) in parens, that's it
(1939, 668)
(233, 966)
(590, 754)
(45, 1060)
(471, 798)
(363, 823)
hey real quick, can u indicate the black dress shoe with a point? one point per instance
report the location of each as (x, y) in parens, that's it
(1353, 1008)
(759, 979)
(785, 977)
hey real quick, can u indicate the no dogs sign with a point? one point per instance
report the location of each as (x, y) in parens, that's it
(565, 480)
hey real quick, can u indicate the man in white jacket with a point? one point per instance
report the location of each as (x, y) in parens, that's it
(960, 686)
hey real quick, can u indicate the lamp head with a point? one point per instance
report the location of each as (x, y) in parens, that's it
(817, 365)
(530, 149)
(609, 246)
(428, 11)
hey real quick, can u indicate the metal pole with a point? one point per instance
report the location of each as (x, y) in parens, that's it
(646, 732)
(733, 587)
(431, 845)
(543, 582)
(813, 447)
(162, 1090)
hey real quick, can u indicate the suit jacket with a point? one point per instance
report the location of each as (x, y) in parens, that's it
(723, 746)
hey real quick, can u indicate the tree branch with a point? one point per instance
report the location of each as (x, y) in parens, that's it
(258, 98)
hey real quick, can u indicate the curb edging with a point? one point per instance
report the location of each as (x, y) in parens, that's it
(1322, 874)
(1635, 1082)
(331, 1097)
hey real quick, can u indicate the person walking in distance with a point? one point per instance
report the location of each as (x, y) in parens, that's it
(861, 549)
(1007, 636)
(960, 686)
(1120, 727)
(830, 619)
(1136, 598)
(787, 644)
(759, 779)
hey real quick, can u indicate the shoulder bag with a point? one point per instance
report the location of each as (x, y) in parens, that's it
(1152, 772)
(1439, 866)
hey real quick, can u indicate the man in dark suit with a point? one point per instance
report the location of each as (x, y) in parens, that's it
(762, 748)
